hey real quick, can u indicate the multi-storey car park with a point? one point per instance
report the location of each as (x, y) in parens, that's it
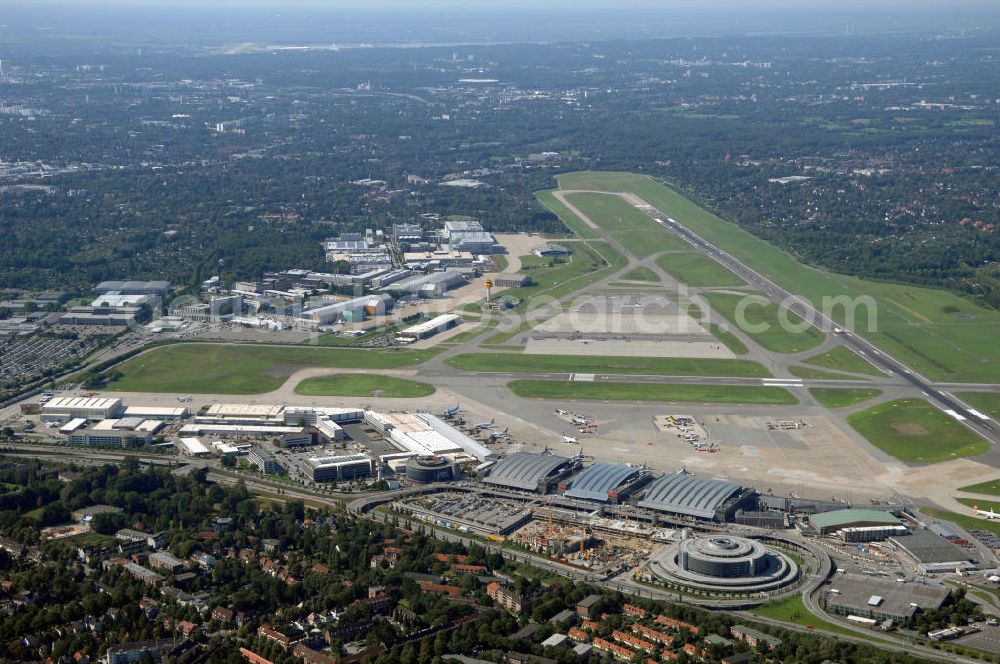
(724, 564)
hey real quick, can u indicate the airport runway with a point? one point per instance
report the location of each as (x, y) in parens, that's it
(982, 425)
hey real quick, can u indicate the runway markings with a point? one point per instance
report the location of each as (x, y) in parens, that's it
(782, 382)
(978, 415)
(952, 413)
(582, 378)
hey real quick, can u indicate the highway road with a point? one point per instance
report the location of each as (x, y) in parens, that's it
(984, 426)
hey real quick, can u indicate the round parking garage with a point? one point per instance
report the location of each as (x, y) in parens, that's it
(724, 564)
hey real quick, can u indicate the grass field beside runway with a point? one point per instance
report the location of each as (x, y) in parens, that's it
(937, 333)
(652, 366)
(987, 403)
(205, 368)
(641, 274)
(696, 269)
(728, 339)
(809, 372)
(914, 430)
(733, 394)
(966, 521)
(775, 338)
(990, 488)
(839, 397)
(590, 262)
(841, 358)
(985, 505)
(363, 385)
(639, 234)
(576, 225)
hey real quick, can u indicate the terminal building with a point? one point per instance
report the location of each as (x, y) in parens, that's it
(525, 471)
(606, 482)
(340, 468)
(687, 495)
(422, 434)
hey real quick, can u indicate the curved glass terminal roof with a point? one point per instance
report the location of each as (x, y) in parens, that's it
(595, 482)
(523, 470)
(687, 494)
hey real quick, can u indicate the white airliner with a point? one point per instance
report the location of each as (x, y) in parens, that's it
(991, 515)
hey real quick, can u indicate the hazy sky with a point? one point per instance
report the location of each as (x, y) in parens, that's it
(467, 5)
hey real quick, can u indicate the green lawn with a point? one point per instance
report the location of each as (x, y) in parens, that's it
(914, 430)
(966, 521)
(937, 333)
(985, 505)
(836, 397)
(203, 368)
(591, 262)
(558, 389)
(697, 269)
(792, 610)
(809, 372)
(990, 488)
(664, 366)
(571, 221)
(639, 234)
(728, 339)
(841, 358)
(468, 335)
(987, 403)
(773, 337)
(641, 274)
(363, 385)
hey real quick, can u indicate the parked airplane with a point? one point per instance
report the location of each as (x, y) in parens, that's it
(486, 425)
(570, 439)
(451, 412)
